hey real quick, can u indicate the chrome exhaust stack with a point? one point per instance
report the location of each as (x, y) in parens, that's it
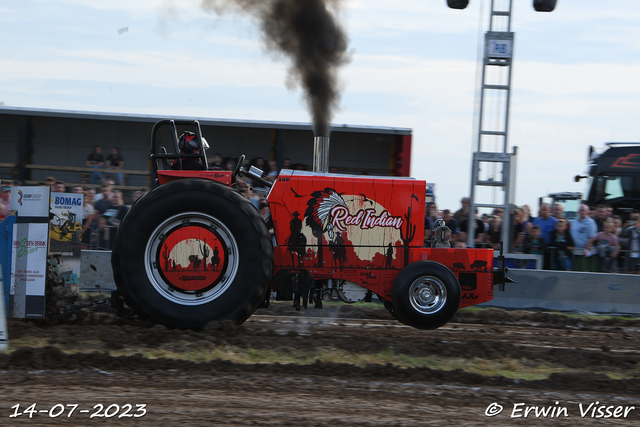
(321, 154)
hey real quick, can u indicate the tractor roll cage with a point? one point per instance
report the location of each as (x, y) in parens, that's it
(164, 156)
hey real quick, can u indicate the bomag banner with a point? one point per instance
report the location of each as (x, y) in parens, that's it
(65, 234)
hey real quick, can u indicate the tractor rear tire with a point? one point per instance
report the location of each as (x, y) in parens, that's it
(192, 251)
(425, 295)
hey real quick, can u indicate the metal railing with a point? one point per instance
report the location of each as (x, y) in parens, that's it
(100, 240)
(625, 262)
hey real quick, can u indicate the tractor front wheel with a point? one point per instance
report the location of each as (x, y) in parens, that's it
(426, 295)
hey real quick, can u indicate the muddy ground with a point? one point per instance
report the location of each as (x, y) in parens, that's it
(600, 357)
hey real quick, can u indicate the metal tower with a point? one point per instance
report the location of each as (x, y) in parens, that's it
(493, 168)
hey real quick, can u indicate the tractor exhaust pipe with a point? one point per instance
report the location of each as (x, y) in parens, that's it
(321, 154)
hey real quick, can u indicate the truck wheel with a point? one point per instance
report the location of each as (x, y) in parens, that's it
(426, 295)
(192, 251)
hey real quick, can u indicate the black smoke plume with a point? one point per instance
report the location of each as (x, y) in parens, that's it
(308, 33)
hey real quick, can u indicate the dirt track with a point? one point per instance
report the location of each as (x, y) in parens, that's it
(337, 394)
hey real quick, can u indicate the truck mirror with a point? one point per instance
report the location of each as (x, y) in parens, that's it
(458, 4)
(544, 5)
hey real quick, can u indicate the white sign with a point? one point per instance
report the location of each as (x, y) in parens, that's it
(28, 269)
(30, 201)
(500, 48)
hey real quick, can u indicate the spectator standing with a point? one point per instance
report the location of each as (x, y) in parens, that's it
(533, 243)
(108, 183)
(562, 245)
(451, 222)
(631, 237)
(545, 221)
(617, 224)
(105, 201)
(607, 245)
(527, 214)
(557, 210)
(115, 214)
(583, 227)
(104, 239)
(90, 195)
(478, 240)
(59, 187)
(601, 215)
(116, 161)
(266, 216)
(429, 220)
(247, 192)
(88, 214)
(517, 230)
(273, 170)
(526, 219)
(486, 222)
(96, 161)
(463, 213)
(493, 235)
(50, 181)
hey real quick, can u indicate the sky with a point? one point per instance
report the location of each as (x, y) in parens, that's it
(413, 64)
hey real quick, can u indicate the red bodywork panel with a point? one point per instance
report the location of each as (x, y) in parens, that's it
(224, 177)
(364, 230)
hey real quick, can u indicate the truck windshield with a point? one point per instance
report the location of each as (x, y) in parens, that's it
(616, 187)
(570, 208)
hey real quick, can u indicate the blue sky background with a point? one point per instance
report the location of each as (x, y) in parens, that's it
(575, 77)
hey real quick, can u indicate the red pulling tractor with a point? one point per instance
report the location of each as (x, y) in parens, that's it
(193, 250)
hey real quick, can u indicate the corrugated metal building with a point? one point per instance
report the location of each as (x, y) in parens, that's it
(33, 137)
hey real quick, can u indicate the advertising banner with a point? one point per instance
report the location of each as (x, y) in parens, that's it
(29, 252)
(30, 202)
(65, 234)
(4, 335)
(29, 270)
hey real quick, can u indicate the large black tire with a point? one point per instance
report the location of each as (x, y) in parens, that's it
(426, 295)
(156, 253)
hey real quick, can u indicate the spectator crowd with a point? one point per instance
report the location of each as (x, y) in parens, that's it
(102, 212)
(596, 240)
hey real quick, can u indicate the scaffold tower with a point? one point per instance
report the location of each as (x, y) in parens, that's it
(493, 167)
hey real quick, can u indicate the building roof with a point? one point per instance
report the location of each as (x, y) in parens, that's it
(204, 121)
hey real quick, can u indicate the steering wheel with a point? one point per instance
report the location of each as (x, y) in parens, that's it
(236, 171)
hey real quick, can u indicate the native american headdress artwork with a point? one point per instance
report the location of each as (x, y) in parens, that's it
(318, 213)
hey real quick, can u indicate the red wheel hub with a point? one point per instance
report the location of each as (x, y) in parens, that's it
(192, 258)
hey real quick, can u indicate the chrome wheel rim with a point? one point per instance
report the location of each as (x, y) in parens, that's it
(427, 294)
(211, 290)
